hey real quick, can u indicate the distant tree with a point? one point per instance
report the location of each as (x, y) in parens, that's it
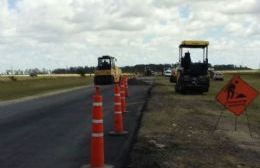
(81, 71)
(74, 70)
(230, 67)
(13, 78)
(33, 74)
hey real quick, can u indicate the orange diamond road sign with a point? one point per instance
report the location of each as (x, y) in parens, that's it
(236, 95)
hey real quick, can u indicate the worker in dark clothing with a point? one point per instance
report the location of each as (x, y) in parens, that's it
(186, 60)
(105, 64)
(231, 88)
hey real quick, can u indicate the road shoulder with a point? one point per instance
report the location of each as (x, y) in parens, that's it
(177, 131)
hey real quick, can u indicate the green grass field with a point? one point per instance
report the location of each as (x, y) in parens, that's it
(27, 86)
(177, 130)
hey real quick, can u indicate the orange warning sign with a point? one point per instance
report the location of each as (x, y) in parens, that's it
(236, 95)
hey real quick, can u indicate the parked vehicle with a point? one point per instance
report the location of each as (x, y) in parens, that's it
(218, 76)
(167, 72)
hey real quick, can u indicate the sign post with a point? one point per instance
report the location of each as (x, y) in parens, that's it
(236, 96)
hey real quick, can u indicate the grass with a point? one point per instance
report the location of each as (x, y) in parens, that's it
(177, 130)
(27, 86)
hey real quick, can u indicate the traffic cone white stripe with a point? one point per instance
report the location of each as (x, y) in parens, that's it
(97, 135)
(97, 104)
(97, 121)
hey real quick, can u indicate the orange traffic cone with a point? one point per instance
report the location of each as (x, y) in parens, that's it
(97, 141)
(97, 137)
(122, 94)
(118, 118)
(126, 86)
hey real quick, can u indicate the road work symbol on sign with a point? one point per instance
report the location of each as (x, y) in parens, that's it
(236, 95)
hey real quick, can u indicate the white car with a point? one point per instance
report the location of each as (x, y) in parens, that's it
(218, 76)
(167, 73)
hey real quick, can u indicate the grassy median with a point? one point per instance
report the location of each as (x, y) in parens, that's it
(28, 86)
(177, 130)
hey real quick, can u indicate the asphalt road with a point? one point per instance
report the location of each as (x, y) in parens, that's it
(54, 131)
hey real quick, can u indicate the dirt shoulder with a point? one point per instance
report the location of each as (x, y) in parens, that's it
(177, 131)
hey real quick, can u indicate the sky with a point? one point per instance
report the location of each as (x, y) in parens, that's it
(61, 33)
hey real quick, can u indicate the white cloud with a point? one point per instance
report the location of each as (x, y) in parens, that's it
(168, 3)
(242, 7)
(52, 34)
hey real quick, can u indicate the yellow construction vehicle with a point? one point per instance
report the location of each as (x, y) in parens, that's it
(107, 72)
(192, 75)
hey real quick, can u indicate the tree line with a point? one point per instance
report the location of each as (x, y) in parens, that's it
(128, 69)
(230, 67)
(141, 67)
(74, 70)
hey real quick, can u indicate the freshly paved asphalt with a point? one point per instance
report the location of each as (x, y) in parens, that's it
(54, 131)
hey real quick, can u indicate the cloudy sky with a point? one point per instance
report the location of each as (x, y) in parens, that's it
(61, 33)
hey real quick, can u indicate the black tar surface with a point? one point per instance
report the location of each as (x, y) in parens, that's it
(54, 131)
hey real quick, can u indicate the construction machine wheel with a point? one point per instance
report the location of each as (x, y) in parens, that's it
(173, 79)
(178, 87)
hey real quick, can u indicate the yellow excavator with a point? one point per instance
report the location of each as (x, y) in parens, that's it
(107, 72)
